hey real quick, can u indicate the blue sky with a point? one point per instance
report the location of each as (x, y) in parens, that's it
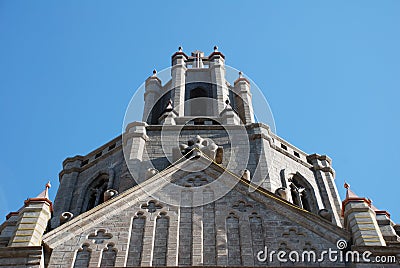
(330, 71)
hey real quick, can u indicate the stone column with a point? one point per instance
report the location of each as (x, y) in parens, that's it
(229, 117)
(324, 176)
(217, 68)
(151, 95)
(135, 141)
(263, 157)
(68, 179)
(178, 72)
(242, 88)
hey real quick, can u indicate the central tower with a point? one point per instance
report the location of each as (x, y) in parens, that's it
(198, 93)
(198, 104)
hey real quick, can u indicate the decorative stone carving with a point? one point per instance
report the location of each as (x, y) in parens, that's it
(242, 206)
(99, 236)
(196, 146)
(283, 193)
(110, 193)
(196, 181)
(246, 175)
(326, 214)
(151, 172)
(65, 217)
(151, 206)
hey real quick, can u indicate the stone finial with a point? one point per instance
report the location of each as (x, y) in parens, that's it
(283, 192)
(65, 217)
(110, 193)
(169, 107)
(346, 185)
(180, 49)
(228, 104)
(45, 193)
(151, 172)
(154, 72)
(215, 48)
(246, 175)
(242, 79)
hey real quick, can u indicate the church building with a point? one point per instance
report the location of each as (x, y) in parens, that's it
(198, 182)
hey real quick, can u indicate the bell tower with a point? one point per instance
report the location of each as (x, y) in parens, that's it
(198, 92)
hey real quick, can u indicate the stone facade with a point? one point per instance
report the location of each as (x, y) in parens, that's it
(197, 183)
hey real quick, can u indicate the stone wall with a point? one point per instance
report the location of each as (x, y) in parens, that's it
(229, 231)
(259, 151)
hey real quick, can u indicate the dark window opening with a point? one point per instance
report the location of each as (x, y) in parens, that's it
(95, 192)
(296, 197)
(203, 121)
(98, 154)
(199, 104)
(296, 154)
(112, 146)
(283, 146)
(200, 99)
(159, 108)
(302, 193)
(84, 162)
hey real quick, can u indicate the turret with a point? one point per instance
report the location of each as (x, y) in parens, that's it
(152, 93)
(217, 67)
(360, 220)
(178, 80)
(32, 221)
(242, 88)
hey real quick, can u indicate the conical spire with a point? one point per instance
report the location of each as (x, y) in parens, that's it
(349, 193)
(45, 193)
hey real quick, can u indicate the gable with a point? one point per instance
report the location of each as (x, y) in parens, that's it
(228, 231)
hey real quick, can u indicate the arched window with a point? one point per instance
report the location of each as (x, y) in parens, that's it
(95, 192)
(108, 256)
(302, 193)
(82, 258)
(136, 240)
(161, 240)
(233, 240)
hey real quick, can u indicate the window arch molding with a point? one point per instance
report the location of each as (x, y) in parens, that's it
(302, 192)
(106, 175)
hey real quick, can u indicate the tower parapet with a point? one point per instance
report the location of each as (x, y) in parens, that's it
(198, 89)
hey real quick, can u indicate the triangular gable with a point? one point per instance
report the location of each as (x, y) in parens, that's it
(160, 181)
